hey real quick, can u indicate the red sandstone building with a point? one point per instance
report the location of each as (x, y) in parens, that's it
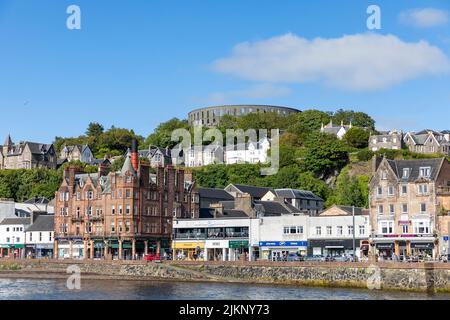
(121, 215)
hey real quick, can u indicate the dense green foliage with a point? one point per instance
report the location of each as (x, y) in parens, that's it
(21, 184)
(350, 190)
(357, 137)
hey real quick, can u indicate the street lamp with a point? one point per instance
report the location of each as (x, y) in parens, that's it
(354, 247)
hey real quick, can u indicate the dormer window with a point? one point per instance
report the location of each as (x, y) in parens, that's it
(425, 172)
(405, 173)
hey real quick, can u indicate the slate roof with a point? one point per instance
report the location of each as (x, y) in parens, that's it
(274, 208)
(42, 223)
(15, 221)
(38, 200)
(297, 194)
(256, 192)
(207, 213)
(358, 211)
(212, 193)
(414, 167)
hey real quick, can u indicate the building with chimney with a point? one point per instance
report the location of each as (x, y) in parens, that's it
(251, 152)
(27, 155)
(428, 142)
(77, 152)
(392, 140)
(406, 198)
(337, 130)
(121, 215)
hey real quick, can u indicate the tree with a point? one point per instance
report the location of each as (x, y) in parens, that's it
(324, 154)
(94, 129)
(162, 135)
(350, 190)
(212, 176)
(117, 164)
(308, 121)
(364, 155)
(357, 137)
(358, 119)
(116, 140)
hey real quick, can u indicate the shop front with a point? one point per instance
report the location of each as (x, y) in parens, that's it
(336, 247)
(238, 250)
(192, 250)
(280, 250)
(385, 250)
(216, 250)
(12, 250)
(67, 250)
(99, 249)
(5, 250)
(39, 251)
(422, 249)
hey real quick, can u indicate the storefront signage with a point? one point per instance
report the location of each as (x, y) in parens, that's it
(238, 244)
(44, 246)
(402, 235)
(188, 245)
(445, 238)
(385, 245)
(283, 243)
(422, 245)
(216, 244)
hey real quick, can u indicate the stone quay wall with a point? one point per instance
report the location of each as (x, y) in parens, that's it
(429, 277)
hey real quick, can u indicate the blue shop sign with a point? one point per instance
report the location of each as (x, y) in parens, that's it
(283, 243)
(445, 238)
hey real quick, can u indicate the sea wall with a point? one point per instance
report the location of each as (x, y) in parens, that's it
(431, 277)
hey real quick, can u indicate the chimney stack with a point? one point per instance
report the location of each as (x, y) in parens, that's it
(134, 154)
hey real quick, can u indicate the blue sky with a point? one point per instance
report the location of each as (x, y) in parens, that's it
(134, 64)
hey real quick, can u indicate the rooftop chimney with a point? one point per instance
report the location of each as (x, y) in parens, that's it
(134, 154)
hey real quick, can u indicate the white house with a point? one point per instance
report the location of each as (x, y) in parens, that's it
(338, 131)
(12, 237)
(331, 233)
(224, 239)
(282, 235)
(39, 237)
(252, 152)
(203, 156)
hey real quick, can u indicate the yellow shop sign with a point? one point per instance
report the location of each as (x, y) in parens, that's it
(188, 245)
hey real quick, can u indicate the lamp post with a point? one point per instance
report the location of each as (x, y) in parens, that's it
(354, 247)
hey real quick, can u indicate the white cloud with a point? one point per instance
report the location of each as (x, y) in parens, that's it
(354, 62)
(259, 91)
(424, 17)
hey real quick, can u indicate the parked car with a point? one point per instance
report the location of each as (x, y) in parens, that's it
(445, 258)
(329, 258)
(342, 258)
(152, 257)
(315, 258)
(295, 257)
